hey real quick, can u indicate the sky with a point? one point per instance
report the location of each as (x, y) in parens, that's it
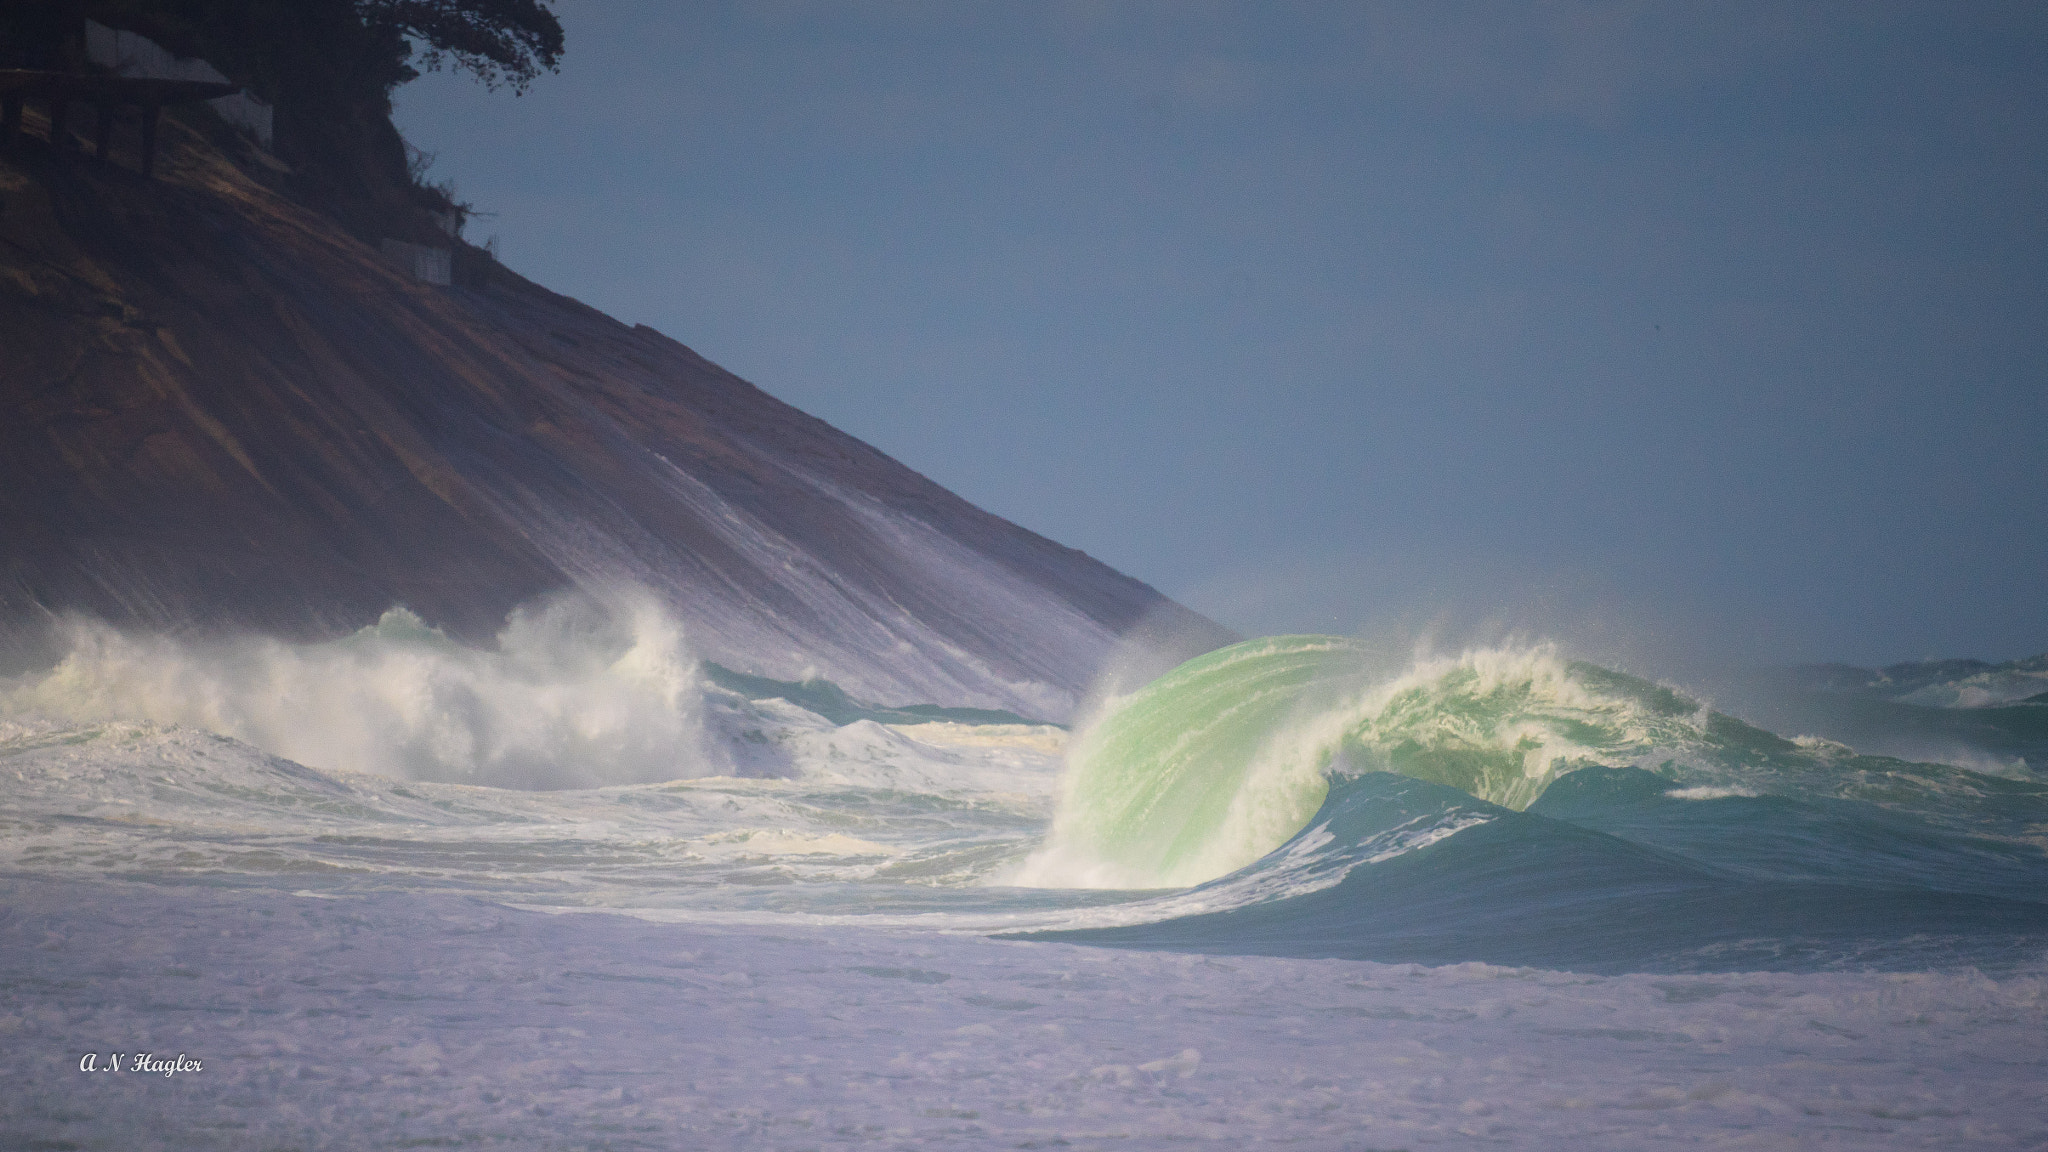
(1718, 330)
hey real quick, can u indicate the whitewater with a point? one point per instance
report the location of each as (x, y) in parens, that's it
(585, 890)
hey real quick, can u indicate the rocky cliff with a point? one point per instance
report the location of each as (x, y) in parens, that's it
(220, 410)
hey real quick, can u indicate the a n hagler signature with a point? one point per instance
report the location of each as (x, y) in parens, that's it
(141, 1062)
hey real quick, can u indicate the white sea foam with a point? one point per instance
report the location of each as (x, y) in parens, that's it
(578, 692)
(356, 978)
(156, 798)
(1708, 792)
(394, 1019)
(1984, 690)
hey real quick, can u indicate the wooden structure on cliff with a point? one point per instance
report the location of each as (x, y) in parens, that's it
(121, 75)
(110, 96)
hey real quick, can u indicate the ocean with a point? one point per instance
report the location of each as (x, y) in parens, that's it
(583, 890)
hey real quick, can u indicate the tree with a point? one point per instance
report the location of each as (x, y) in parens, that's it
(497, 41)
(329, 68)
(273, 43)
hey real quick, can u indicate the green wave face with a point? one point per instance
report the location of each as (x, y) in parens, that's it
(1195, 775)
(1222, 759)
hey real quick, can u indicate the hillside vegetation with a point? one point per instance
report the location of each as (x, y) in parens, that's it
(329, 67)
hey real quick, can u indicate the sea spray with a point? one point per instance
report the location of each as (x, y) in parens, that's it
(1501, 722)
(578, 692)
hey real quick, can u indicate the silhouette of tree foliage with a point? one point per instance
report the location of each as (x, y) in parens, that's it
(500, 42)
(329, 68)
(387, 42)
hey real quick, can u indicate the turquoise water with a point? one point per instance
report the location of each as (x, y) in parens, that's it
(1297, 795)
(1516, 807)
(321, 869)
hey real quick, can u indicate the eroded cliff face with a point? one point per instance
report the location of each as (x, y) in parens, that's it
(220, 411)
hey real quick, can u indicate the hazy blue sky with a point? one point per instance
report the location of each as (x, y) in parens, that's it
(1707, 327)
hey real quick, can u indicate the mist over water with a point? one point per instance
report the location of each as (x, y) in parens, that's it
(581, 690)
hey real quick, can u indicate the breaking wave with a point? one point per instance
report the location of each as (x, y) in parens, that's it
(1224, 759)
(1307, 795)
(577, 692)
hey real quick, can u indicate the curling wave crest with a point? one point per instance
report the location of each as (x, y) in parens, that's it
(1209, 768)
